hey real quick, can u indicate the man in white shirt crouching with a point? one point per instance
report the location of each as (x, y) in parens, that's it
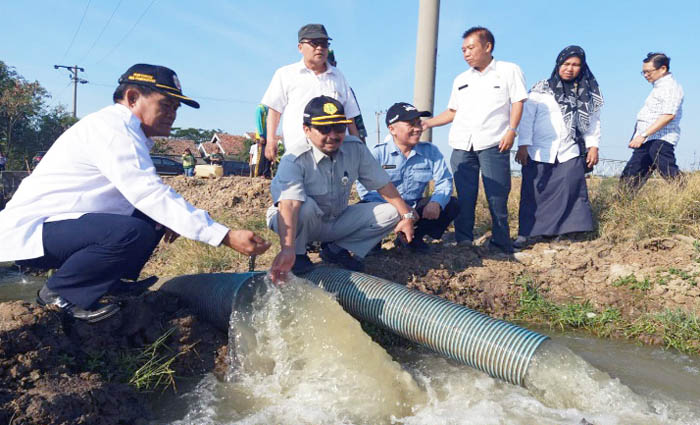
(95, 209)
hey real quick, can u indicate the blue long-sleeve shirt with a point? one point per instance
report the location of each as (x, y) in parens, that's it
(411, 175)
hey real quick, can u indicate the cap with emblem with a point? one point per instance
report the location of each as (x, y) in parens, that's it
(159, 78)
(324, 110)
(313, 31)
(403, 111)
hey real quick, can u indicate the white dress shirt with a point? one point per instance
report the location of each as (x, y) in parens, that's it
(482, 103)
(254, 153)
(100, 165)
(666, 98)
(543, 131)
(294, 85)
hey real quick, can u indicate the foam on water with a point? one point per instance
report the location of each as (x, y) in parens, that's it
(300, 359)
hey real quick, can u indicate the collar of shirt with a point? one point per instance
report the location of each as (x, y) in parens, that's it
(316, 152)
(394, 150)
(301, 68)
(134, 123)
(663, 80)
(490, 67)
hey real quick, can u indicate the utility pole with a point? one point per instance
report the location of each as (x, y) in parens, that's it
(378, 114)
(426, 54)
(74, 70)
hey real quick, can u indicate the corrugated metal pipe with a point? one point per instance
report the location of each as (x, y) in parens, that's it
(499, 348)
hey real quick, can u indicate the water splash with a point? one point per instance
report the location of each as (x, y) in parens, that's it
(299, 358)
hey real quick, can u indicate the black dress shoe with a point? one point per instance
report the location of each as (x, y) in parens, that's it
(133, 288)
(419, 246)
(342, 258)
(302, 264)
(46, 296)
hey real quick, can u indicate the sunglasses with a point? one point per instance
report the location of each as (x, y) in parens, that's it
(317, 43)
(326, 129)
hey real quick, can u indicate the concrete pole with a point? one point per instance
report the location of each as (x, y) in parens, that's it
(426, 53)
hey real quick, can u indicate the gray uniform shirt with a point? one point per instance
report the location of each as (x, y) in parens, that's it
(305, 172)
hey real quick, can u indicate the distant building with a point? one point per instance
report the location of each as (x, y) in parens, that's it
(171, 146)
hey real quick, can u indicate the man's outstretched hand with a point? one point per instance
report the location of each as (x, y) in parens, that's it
(245, 242)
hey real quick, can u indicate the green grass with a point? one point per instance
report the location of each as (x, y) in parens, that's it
(678, 329)
(156, 365)
(631, 282)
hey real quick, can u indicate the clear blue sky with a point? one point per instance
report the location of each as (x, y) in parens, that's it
(225, 52)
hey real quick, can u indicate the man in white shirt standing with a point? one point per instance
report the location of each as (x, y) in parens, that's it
(485, 107)
(657, 129)
(294, 85)
(95, 209)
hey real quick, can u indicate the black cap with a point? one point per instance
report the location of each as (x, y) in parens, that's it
(159, 78)
(312, 31)
(324, 110)
(403, 111)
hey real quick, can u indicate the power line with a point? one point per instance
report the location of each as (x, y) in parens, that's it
(77, 30)
(102, 32)
(128, 32)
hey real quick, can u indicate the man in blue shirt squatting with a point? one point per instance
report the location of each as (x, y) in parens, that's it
(311, 191)
(412, 164)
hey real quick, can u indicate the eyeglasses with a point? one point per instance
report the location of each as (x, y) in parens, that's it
(326, 129)
(645, 73)
(317, 43)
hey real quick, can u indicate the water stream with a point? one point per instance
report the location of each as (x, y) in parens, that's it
(300, 359)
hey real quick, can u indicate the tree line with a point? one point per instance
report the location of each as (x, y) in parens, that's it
(27, 123)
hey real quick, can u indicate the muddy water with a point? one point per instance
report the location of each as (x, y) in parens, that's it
(17, 286)
(301, 359)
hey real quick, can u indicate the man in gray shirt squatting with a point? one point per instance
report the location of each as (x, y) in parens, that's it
(311, 191)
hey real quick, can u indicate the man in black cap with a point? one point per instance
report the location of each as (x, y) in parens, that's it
(294, 85)
(95, 209)
(311, 191)
(412, 164)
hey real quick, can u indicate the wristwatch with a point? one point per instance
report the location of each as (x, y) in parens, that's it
(409, 215)
(644, 134)
(513, 130)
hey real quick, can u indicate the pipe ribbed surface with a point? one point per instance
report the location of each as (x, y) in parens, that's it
(211, 295)
(501, 349)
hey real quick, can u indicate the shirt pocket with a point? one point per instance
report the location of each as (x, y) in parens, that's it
(317, 188)
(419, 179)
(499, 93)
(394, 176)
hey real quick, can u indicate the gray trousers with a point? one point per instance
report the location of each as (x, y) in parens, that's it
(357, 229)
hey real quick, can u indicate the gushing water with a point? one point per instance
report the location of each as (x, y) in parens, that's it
(298, 358)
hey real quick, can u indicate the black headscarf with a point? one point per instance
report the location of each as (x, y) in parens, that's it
(578, 98)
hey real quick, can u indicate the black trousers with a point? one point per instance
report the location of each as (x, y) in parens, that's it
(652, 155)
(92, 253)
(436, 228)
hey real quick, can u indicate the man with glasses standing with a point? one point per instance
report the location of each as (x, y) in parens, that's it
(294, 85)
(311, 191)
(657, 129)
(411, 165)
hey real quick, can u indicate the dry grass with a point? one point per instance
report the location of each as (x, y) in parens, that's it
(190, 257)
(659, 209)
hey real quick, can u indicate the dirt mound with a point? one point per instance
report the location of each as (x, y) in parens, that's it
(54, 370)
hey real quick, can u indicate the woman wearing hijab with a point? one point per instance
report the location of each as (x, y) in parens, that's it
(558, 143)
